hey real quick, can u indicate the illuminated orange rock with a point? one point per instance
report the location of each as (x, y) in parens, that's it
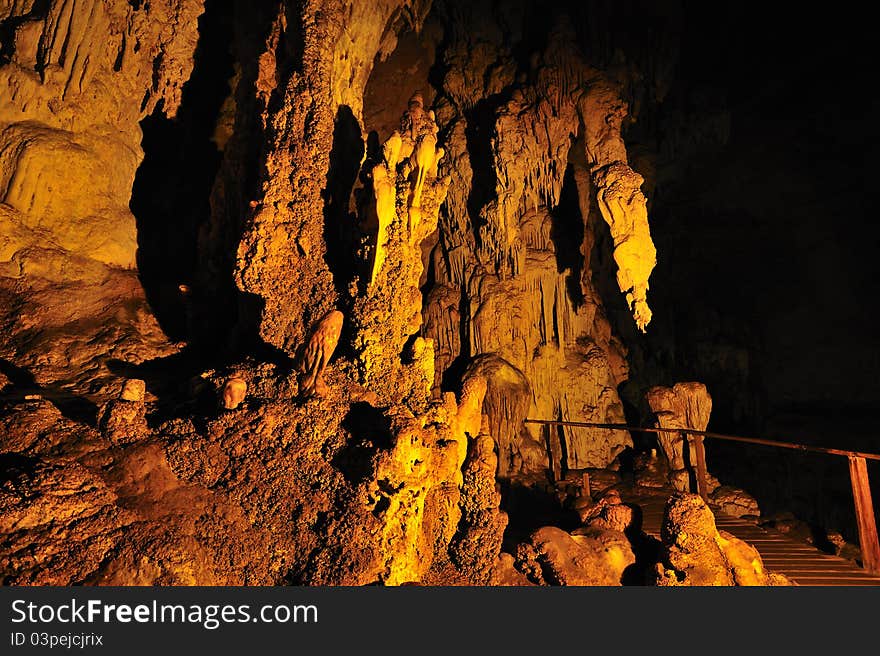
(77, 78)
(123, 420)
(696, 554)
(610, 513)
(554, 557)
(521, 288)
(407, 195)
(281, 253)
(233, 393)
(133, 390)
(735, 502)
(479, 266)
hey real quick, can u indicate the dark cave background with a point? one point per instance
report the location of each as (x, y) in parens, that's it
(765, 156)
(758, 166)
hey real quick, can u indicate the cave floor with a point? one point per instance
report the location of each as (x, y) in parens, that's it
(799, 561)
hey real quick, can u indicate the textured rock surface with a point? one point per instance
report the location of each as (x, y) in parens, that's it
(735, 502)
(282, 254)
(335, 492)
(511, 269)
(696, 553)
(554, 557)
(406, 198)
(610, 513)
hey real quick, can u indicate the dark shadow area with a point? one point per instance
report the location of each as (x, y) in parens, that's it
(17, 469)
(71, 406)
(567, 234)
(529, 507)
(38, 12)
(340, 221)
(478, 134)
(342, 204)
(370, 431)
(174, 381)
(648, 551)
(227, 319)
(172, 187)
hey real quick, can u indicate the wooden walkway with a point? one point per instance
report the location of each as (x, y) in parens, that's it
(799, 561)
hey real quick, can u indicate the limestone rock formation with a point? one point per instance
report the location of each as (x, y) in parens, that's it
(506, 405)
(554, 557)
(407, 195)
(134, 389)
(685, 405)
(376, 496)
(621, 202)
(697, 554)
(610, 513)
(476, 549)
(77, 510)
(233, 393)
(519, 285)
(281, 255)
(463, 243)
(734, 502)
(75, 79)
(316, 353)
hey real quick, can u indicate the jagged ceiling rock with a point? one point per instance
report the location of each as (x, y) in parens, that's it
(78, 78)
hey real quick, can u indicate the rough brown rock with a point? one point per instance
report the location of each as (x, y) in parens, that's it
(610, 513)
(80, 77)
(734, 502)
(282, 254)
(554, 557)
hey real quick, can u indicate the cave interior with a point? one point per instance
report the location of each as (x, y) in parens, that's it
(285, 285)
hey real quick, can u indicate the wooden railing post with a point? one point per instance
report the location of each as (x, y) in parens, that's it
(700, 456)
(858, 474)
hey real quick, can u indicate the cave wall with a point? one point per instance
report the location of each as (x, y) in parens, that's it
(387, 476)
(77, 78)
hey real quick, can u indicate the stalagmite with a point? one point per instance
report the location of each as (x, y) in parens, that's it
(123, 420)
(234, 391)
(453, 239)
(133, 390)
(406, 199)
(316, 354)
(685, 405)
(385, 194)
(695, 553)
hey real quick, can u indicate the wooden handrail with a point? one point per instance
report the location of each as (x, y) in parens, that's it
(867, 523)
(715, 436)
